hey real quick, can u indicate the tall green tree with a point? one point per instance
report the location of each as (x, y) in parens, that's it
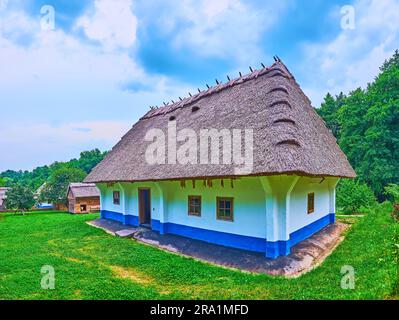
(329, 112)
(3, 182)
(89, 159)
(20, 198)
(393, 62)
(366, 125)
(380, 165)
(351, 117)
(35, 178)
(55, 190)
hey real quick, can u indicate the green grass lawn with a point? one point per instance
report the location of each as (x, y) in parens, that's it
(90, 264)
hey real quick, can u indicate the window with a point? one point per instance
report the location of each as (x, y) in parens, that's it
(83, 208)
(310, 203)
(225, 209)
(194, 206)
(117, 197)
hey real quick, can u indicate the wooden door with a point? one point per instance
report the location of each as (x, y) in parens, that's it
(145, 206)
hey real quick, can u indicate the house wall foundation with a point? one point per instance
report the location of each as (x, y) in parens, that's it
(270, 213)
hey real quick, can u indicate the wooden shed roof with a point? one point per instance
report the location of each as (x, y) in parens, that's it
(84, 190)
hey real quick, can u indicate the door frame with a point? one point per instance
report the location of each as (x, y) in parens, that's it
(85, 206)
(141, 205)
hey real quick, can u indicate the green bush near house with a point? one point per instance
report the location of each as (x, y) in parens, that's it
(354, 196)
(91, 264)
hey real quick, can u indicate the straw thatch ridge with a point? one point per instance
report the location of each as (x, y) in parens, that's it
(289, 136)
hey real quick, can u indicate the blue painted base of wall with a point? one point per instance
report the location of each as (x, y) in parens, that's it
(156, 225)
(276, 249)
(271, 249)
(217, 237)
(283, 248)
(116, 216)
(311, 229)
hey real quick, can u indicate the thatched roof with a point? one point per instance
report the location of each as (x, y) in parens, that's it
(83, 190)
(289, 136)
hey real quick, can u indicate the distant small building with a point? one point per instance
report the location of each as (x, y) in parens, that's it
(60, 207)
(42, 205)
(3, 198)
(83, 198)
(45, 205)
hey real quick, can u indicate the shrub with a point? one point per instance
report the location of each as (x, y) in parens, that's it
(392, 190)
(352, 195)
(20, 198)
(395, 253)
(56, 187)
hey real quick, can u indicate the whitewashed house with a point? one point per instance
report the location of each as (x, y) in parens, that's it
(285, 193)
(3, 198)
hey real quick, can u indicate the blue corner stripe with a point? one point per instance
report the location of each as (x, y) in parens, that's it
(272, 249)
(275, 249)
(156, 225)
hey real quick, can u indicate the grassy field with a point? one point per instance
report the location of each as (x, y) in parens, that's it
(90, 264)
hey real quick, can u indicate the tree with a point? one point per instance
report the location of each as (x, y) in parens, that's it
(11, 174)
(3, 182)
(392, 190)
(56, 187)
(89, 159)
(393, 62)
(352, 195)
(20, 198)
(379, 165)
(35, 178)
(366, 124)
(395, 253)
(329, 112)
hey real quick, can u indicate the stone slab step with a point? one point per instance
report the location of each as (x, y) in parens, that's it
(125, 233)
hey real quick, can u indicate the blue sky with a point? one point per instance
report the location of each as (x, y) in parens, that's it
(83, 84)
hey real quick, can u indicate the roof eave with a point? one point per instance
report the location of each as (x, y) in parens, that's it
(297, 173)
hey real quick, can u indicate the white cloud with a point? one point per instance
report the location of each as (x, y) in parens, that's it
(67, 134)
(213, 8)
(111, 22)
(222, 29)
(3, 4)
(73, 91)
(353, 58)
(30, 145)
